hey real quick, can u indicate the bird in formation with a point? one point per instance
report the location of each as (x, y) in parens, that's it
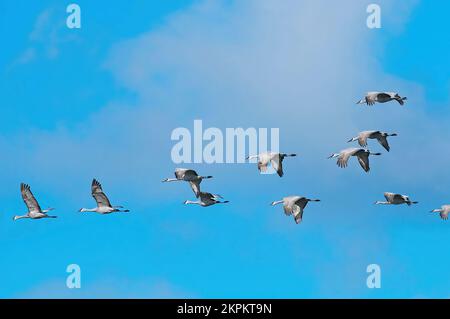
(103, 204)
(395, 199)
(190, 176)
(273, 158)
(381, 97)
(294, 205)
(381, 137)
(360, 153)
(34, 210)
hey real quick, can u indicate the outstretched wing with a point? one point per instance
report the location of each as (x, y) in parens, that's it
(363, 136)
(277, 163)
(195, 186)
(363, 159)
(383, 97)
(398, 198)
(299, 206)
(29, 199)
(98, 194)
(383, 141)
(186, 174)
(343, 159)
(262, 168)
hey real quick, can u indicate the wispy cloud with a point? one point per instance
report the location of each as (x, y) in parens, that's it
(260, 64)
(112, 287)
(46, 37)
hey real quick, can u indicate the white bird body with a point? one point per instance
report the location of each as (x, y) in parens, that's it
(361, 153)
(273, 158)
(294, 205)
(206, 199)
(381, 97)
(103, 204)
(444, 211)
(190, 176)
(34, 210)
(395, 199)
(381, 137)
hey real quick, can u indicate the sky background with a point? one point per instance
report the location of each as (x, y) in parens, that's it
(102, 101)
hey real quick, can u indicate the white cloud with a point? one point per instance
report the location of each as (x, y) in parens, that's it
(109, 288)
(46, 37)
(294, 65)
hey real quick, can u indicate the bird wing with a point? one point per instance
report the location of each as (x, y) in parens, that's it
(444, 214)
(363, 159)
(389, 197)
(383, 97)
(287, 209)
(343, 158)
(277, 163)
(363, 136)
(298, 215)
(262, 167)
(180, 172)
(384, 142)
(190, 174)
(29, 199)
(207, 198)
(370, 98)
(301, 202)
(195, 186)
(398, 197)
(98, 194)
(288, 204)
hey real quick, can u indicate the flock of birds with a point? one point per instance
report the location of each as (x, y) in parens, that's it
(292, 205)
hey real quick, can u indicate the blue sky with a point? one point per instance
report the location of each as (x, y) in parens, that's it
(103, 100)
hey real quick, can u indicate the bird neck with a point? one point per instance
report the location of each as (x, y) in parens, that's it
(170, 180)
(21, 216)
(83, 210)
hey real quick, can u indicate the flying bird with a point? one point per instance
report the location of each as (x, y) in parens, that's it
(395, 199)
(103, 204)
(443, 211)
(381, 97)
(273, 158)
(34, 210)
(207, 199)
(362, 155)
(294, 205)
(378, 135)
(190, 176)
